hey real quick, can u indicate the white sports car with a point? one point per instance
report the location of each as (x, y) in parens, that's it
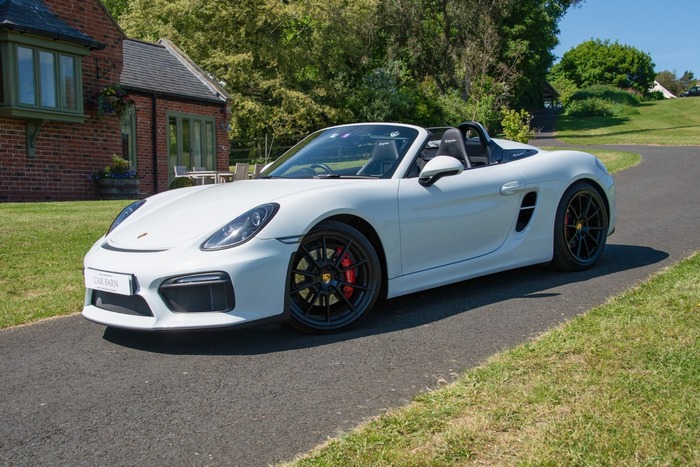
(350, 214)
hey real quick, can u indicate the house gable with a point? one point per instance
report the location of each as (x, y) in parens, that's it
(44, 156)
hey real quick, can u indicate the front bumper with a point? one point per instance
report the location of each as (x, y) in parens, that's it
(232, 287)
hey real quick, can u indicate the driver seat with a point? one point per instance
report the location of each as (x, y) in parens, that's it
(384, 156)
(452, 144)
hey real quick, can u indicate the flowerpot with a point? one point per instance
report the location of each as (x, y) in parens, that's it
(119, 188)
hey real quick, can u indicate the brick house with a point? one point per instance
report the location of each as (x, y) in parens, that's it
(56, 58)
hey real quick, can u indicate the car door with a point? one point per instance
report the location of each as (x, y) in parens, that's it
(459, 217)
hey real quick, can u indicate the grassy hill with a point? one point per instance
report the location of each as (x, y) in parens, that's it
(672, 122)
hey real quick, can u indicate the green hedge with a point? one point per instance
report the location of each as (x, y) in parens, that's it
(602, 101)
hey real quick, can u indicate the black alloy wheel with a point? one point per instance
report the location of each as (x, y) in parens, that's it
(580, 229)
(334, 279)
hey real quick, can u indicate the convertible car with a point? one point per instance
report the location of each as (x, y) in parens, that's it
(350, 214)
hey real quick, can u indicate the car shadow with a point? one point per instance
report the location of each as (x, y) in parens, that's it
(400, 313)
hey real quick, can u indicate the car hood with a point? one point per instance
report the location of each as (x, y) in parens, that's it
(188, 214)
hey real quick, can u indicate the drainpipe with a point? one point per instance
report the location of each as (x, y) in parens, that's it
(154, 136)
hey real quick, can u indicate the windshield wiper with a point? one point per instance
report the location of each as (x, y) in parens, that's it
(347, 177)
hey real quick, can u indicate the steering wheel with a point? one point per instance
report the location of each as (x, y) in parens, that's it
(323, 167)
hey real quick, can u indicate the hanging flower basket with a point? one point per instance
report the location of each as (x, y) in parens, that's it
(111, 100)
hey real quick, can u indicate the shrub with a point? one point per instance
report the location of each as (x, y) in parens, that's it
(591, 107)
(654, 96)
(602, 101)
(181, 182)
(516, 125)
(608, 93)
(118, 168)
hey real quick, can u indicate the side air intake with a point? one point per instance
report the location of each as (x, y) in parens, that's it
(527, 209)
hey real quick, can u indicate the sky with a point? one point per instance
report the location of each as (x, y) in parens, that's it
(669, 31)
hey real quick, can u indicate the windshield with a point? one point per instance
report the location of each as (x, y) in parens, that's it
(367, 150)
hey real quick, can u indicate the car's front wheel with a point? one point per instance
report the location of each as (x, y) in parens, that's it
(334, 279)
(580, 229)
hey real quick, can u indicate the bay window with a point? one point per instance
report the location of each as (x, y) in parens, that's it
(44, 80)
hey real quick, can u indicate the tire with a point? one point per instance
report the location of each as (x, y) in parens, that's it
(334, 279)
(580, 228)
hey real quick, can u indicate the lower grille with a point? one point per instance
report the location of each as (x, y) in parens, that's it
(124, 304)
(199, 293)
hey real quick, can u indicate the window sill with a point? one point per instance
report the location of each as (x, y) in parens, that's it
(41, 115)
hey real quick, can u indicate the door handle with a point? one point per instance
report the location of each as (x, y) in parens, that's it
(511, 187)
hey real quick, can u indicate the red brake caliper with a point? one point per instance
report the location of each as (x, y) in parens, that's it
(346, 262)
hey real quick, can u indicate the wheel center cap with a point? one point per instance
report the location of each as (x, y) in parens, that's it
(326, 277)
(579, 225)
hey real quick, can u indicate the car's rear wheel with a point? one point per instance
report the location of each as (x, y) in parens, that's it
(334, 279)
(580, 228)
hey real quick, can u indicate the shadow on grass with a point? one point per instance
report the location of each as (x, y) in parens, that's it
(388, 316)
(628, 132)
(565, 123)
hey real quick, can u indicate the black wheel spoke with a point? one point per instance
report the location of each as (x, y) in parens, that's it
(334, 279)
(314, 297)
(354, 285)
(347, 302)
(310, 257)
(354, 265)
(340, 255)
(581, 228)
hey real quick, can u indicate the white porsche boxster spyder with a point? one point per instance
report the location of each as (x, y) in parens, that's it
(350, 214)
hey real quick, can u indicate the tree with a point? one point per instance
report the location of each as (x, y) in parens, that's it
(687, 80)
(669, 80)
(491, 53)
(603, 62)
(294, 65)
(116, 7)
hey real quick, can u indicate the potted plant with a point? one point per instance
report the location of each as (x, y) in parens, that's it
(117, 180)
(110, 100)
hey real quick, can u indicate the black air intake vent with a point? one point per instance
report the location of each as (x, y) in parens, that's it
(527, 209)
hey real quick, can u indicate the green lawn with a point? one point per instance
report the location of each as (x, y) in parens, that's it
(672, 122)
(616, 386)
(614, 160)
(41, 251)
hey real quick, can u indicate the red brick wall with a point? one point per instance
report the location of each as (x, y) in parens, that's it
(67, 153)
(144, 143)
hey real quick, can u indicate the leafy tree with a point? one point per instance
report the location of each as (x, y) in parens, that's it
(603, 62)
(687, 80)
(116, 7)
(294, 65)
(491, 53)
(669, 80)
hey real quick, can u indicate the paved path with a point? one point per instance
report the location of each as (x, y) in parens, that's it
(73, 393)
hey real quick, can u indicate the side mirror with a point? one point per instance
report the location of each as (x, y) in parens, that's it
(440, 166)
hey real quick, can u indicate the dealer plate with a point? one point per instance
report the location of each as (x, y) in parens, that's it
(121, 284)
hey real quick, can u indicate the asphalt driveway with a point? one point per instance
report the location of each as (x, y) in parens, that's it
(75, 393)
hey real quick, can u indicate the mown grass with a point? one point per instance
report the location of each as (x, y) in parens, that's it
(614, 160)
(41, 251)
(671, 122)
(616, 386)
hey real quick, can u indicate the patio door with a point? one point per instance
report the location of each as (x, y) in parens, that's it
(191, 142)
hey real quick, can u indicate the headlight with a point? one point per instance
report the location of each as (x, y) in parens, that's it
(126, 212)
(242, 228)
